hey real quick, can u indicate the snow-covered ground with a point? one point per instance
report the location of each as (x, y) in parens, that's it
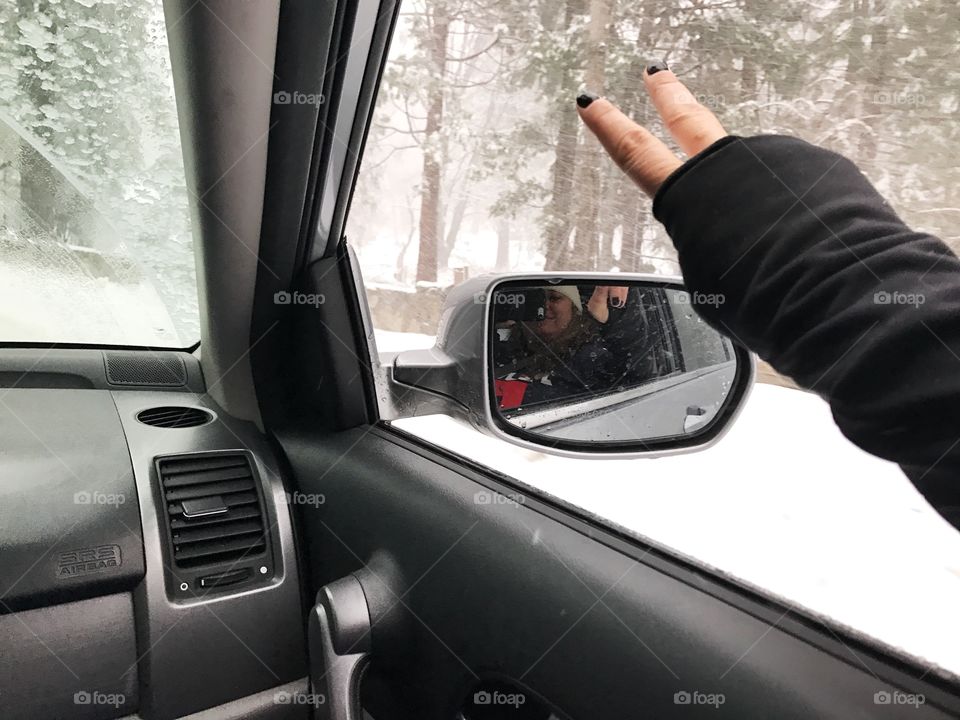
(783, 502)
(388, 341)
(73, 307)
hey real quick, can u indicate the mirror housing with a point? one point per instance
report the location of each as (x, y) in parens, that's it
(456, 376)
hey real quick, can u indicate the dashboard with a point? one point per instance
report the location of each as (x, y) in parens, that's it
(148, 566)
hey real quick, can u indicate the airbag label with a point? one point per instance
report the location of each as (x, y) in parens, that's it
(88, 560)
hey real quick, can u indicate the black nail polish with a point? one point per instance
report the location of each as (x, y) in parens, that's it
(656, 66)
(584, 99)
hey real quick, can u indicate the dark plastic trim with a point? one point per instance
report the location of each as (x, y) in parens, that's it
(84, 368)
(95, 346)
(205, 653)
(364, 89)
(942, 691)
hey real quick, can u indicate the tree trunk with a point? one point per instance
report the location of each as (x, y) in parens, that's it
(586, 250)
(503, 245)
(453, 229)
(432, 170)
(877, 71)
(401, 272)
(630, 243)
(39, 181)
(564, 164)
(607, 216)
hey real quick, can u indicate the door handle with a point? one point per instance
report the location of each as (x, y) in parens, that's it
(339, 643)
(693, 418)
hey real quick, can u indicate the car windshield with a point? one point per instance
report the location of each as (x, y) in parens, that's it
(95, 243)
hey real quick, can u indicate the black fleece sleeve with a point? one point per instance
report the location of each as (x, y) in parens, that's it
(822, 279)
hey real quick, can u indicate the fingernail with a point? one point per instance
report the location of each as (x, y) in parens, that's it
(656, 66)
(584, 99)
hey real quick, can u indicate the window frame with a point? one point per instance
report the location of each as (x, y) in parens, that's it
(823, 633)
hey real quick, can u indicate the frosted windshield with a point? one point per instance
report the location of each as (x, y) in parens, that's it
(95, 243)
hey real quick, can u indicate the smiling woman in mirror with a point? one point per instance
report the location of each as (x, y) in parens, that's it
(549, 347)
(598, 363)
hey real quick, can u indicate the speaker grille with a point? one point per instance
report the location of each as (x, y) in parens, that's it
(145, 368)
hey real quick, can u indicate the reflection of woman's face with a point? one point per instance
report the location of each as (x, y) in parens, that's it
(558, 315)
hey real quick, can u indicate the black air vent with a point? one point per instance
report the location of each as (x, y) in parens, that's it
(214, 511)
(174, 417)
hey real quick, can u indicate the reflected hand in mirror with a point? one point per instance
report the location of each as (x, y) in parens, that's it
(598, 363)
(602, 296)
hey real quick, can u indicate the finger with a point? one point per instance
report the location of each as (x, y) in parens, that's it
(642, 156)
(692, 125)
(619, 296)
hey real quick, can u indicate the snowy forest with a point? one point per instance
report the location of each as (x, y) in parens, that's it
(95, 241)
(478, 162)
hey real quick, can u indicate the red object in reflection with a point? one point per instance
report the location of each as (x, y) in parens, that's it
(509, 393)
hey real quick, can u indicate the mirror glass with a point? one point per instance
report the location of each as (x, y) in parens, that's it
(593, 363)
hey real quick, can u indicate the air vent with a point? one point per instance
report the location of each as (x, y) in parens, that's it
(214, 516)
(174, 417)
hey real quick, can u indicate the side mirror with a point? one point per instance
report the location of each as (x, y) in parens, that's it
(580, 364)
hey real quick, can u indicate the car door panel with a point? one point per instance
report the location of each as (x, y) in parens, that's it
(485, 583)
